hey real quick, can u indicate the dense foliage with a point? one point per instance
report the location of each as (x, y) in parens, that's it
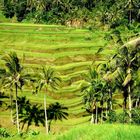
(120, 74)
(73, 12)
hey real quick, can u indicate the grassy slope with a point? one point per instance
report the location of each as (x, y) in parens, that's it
(70, 51)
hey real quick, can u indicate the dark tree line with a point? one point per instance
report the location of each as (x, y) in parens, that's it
(113, 12)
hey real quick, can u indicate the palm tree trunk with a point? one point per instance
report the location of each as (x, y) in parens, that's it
(110, 99)
(124, 103)
(130, 103)
(130, 17)
(49, 127)
(106, 109)
(22, 126)
(45, 110)
(27, 127)
(96, 119)
(102, 114)
(137, 102)
(11, 104)
(17, 121)
(92, 118)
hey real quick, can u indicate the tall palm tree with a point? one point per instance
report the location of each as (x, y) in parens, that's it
(15, 77)
(93, 92)
(56, 111)
(109, 83)
(127, 63)
(48, 79)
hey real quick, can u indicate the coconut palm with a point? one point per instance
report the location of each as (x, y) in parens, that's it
(127, 63)
(15, 77)
(48, 79)
(93, 92)
(109, 82)
(55, 112)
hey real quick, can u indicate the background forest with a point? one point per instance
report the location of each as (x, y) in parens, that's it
(112, 12)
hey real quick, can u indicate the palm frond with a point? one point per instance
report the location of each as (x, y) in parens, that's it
(127, 79)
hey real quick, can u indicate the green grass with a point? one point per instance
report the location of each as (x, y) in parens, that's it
(92, 132)
(102, 132)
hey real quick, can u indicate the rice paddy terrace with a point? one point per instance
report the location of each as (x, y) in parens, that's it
(68, 50)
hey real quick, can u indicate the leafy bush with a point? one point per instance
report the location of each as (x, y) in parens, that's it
(4, 133)
(33, 133)
(8, 10)
(123, 117)
(112, 117)
(136, 116)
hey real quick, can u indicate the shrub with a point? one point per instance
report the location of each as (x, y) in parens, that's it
(136, 116)
(112, 117)
(123, 117)
(4, 133)
(33, 133)
(8, 10)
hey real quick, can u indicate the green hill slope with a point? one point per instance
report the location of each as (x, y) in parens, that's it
(70, 51)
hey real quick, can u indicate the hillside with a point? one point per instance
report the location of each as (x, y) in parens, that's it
(71, 52)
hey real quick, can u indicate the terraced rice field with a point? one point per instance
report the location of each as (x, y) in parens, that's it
(68, 50)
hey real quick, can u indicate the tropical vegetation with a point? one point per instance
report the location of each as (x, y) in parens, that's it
(81, 71)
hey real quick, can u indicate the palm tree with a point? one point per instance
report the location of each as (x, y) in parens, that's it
(48, 79)
(93, 92)
(89, 102)
(56, 111)
(127, 63)
(109, 82)
(15, 77)
(104, 101)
